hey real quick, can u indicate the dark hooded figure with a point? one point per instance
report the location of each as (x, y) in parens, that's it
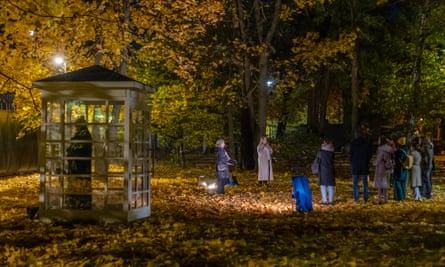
(360, 154)
(81, 147)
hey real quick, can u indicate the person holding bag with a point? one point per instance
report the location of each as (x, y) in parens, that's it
(326, 175)
(222, 166)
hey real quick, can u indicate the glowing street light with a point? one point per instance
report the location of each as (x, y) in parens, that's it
(60, 62)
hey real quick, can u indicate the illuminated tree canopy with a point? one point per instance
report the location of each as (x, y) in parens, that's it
(211, 60)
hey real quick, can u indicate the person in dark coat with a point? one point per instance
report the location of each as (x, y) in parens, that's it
(80, 152)
(326, 176)
(222, 166)
(360, 153)
(80, 149)
(427, 152)
(400, 173)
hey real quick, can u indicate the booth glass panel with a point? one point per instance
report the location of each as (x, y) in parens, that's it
(75, 110)
(99, 133)
(54, 112)
(53, 132)
(115, 183)
(114, 200)
(117, 166)
(98, 112)
(53, 183)
(53, 150)
(115, 150)
(54, 200)
(116, 111)
(54, 166)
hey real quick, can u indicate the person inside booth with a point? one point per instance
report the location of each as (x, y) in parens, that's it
(80, 184)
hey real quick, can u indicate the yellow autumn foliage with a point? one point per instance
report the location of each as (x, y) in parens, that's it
(250, 225)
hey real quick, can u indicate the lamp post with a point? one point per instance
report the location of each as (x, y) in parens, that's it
(60, 62)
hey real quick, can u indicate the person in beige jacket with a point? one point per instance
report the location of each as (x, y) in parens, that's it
(382, 171)
(265, 172)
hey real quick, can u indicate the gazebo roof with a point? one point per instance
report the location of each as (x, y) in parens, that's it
(93, 76)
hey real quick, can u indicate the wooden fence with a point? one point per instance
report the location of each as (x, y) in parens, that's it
(17, 156)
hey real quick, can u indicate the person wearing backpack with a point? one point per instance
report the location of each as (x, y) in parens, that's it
(400, 171)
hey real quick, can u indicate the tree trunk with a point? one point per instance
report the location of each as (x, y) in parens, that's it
(247, 145)
(230, 129)
(262, 96)
(255, 114)
(316, 105)
(313, 103)
(324, 97)
(248, 120)
(425, 10)
(354, 73)
(354, 92)
(265, 42)
(248, 111)
(282, 124)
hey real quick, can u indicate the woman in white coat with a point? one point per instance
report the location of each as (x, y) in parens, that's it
(382, 170)
(416, 173)
(265, 172)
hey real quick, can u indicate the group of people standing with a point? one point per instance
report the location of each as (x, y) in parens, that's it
(422, 151)
(391, 169)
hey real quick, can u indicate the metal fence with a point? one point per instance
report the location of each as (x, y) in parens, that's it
(7, 102)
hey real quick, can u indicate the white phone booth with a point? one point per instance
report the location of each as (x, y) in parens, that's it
(95, 154)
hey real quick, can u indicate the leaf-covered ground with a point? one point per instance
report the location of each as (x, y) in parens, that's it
(250, 225)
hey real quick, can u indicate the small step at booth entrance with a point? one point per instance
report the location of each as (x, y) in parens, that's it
(95, 155)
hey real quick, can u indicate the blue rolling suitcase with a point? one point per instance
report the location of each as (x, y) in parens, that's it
(301, 192)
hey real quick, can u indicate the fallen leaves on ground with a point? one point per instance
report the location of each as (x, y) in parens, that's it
(250, 225)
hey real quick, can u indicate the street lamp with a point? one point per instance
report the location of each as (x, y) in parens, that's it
(60, 62)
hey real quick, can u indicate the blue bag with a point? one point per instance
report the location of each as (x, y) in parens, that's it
(302, 193)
